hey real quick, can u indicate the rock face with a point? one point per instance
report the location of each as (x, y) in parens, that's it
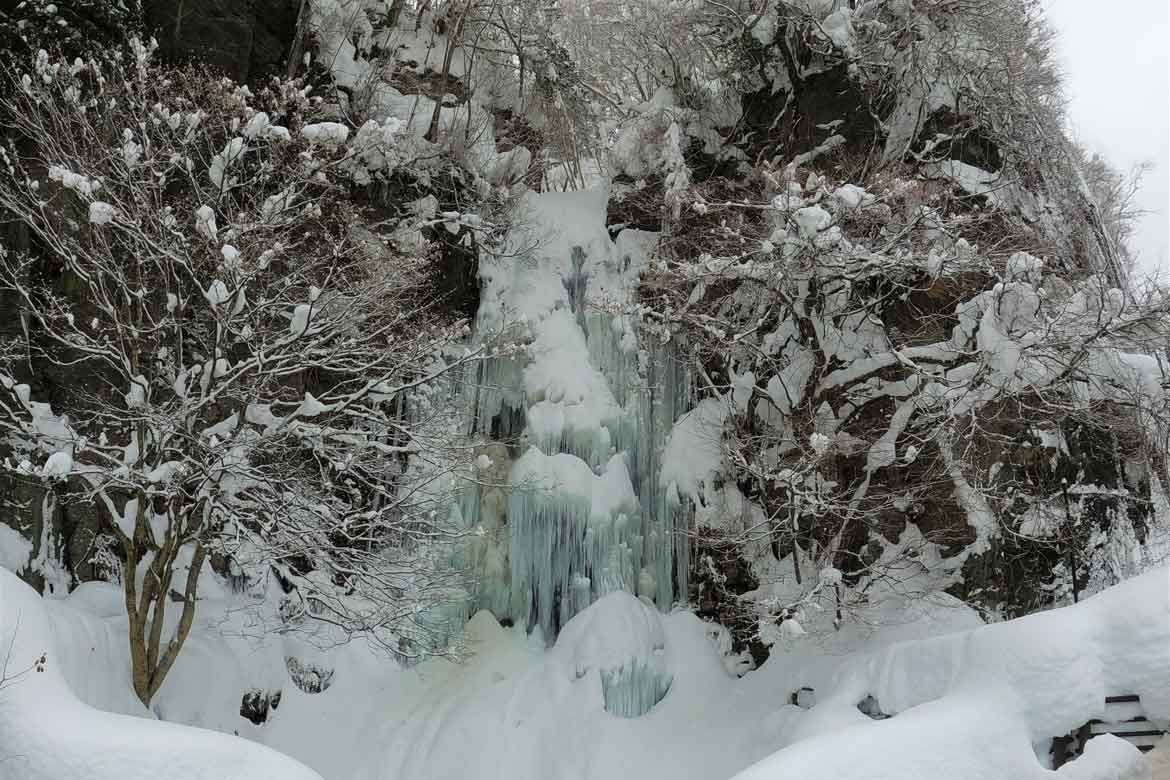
(247, 39)
(65, 534)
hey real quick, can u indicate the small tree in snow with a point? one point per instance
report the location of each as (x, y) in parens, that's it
(257, 367)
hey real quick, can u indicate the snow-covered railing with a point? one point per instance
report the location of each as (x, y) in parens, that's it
(1123, 717)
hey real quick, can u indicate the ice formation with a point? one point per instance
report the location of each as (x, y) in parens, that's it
(571, 534)
(576, 419)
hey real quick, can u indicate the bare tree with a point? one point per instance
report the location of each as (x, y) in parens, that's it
(254, 367)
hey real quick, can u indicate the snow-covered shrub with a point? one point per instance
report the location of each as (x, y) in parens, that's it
(815, 278)
(879, 371)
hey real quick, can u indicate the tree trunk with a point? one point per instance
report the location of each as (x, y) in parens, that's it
(149, 661)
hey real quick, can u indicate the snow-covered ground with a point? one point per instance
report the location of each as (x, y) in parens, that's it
(52, 654)
(521, 711)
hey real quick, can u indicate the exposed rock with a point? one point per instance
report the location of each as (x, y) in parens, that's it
(307, 676)
(719, 576)
(256, 705)
(248, 40)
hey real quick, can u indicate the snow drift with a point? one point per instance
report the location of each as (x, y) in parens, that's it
(534, 713)
(47, 733)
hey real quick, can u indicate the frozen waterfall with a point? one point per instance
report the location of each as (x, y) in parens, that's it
(566, 503)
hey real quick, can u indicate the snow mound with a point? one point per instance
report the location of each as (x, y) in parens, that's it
(622, 639)
(56, 736)
(521, 711)
(945, 738)
(532, 713)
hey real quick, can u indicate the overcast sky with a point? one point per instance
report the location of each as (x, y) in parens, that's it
(1117, 77)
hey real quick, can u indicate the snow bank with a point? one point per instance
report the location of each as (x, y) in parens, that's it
(522, 713)
(530, 713)
(964, 736)
(1014, 685)
(15, 550)
(46, 733)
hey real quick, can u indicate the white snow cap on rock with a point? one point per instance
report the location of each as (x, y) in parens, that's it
(257, 125)
(136, 397)
(299, 322)
(1023, 267)
(205, 222)
(217, 293)
(850, 196)
(58, 466)
(311, 407)
(810, 220)
(231, 256)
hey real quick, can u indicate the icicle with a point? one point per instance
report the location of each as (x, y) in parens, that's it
(568, 535)
(633, 690)
(496, 398)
